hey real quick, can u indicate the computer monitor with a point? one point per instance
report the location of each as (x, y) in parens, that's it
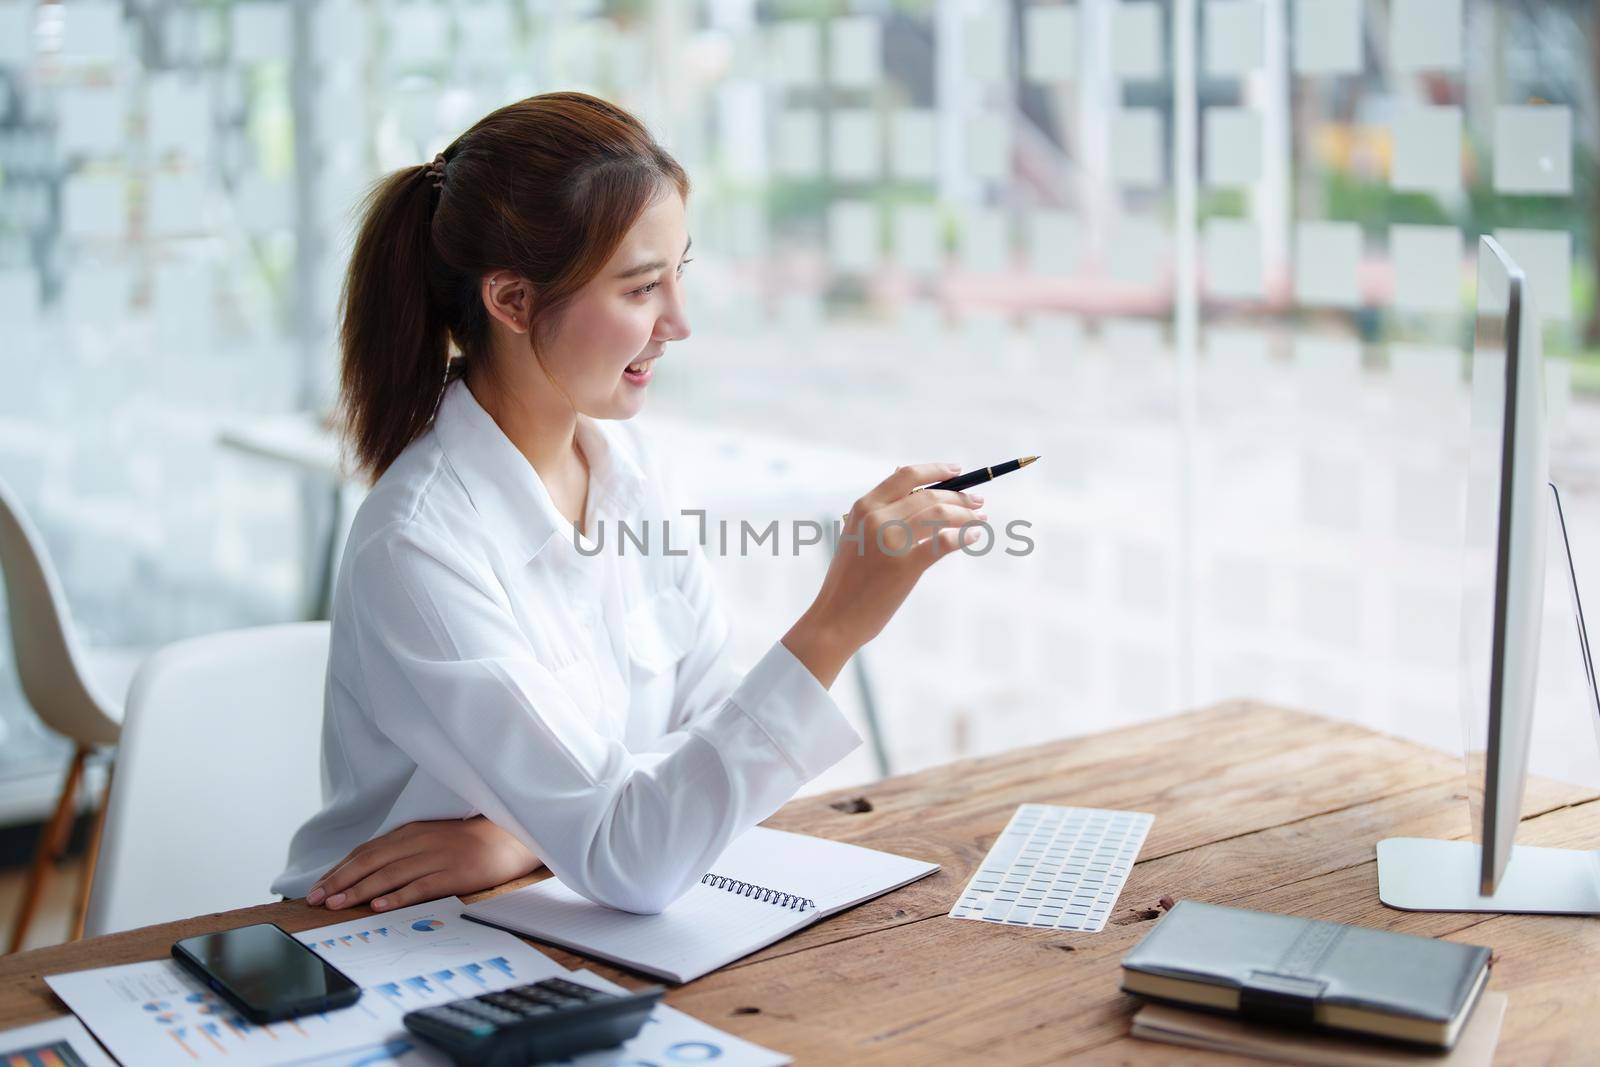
(1503, 557)
(1502, 607)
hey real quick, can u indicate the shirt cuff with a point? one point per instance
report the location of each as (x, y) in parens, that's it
(782, 697)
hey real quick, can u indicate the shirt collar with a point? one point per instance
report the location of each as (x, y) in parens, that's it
(507, 492)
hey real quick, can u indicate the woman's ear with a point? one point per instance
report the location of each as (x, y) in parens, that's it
(508, 299)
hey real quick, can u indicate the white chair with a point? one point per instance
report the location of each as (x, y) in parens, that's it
(74, 692)
(219, 765)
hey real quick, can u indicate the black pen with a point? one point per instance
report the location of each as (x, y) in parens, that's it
(981, 475)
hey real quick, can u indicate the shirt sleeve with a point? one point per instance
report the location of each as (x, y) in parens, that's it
(453, 682)
(795, 710)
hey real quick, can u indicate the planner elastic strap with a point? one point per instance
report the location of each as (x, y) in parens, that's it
(756, 892)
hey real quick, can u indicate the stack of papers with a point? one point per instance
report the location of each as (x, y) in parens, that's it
(154, 1012)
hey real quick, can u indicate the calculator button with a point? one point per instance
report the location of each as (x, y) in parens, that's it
(460, 1020)
(534, 993)
(558, 992)
(536, 1003)
(574, 990)
(487, 1012)
(509, 1001)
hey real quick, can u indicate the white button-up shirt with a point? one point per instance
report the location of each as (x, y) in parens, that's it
(481, 663)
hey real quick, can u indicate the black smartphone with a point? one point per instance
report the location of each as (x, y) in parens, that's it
(265, 973)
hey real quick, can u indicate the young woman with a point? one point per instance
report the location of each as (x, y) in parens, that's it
(497, 698)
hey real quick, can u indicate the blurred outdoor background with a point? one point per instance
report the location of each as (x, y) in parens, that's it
(1212, 259)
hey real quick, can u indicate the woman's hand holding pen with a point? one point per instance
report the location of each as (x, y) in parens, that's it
(889, 538)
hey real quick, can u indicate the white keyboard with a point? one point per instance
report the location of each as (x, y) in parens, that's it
(1056, 868)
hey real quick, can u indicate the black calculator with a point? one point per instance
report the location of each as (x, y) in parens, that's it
(548, 1020)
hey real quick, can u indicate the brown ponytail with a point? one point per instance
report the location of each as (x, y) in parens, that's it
(546, 188)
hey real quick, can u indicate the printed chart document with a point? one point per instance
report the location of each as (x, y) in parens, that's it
(59, 1042)
(668, 1037)
(154, 1012)
(765, 886)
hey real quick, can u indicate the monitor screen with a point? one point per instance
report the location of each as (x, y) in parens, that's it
(1503, 553)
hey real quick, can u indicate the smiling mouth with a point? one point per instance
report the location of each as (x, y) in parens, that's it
(640, 366)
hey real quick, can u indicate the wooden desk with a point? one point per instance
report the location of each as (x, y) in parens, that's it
(1255, 807)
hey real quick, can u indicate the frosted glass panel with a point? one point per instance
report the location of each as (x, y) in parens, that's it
(1327, 36)
(918, 244)
(1326, 258)
(1328, 605)
(421, 37)
(1136, 148)
(1232, 146)
(1233, 43)
(1136, 40)
(17, 20)
(984, 193)
(855, 47)
(798, 152)
(95, 206)
(1328, 373)
(984, 44)
(913, 145)
(1232, 258)
(1427, 149)
(1545, 256)
(1425, 35)
(92, 31)
(1054, 242)
(90, 121)
(852, 236)
(1330, 491)
(1427, 267)
(178, 116)
(1236, 362)
(175, 206)
(1427, 383)
(795, 52)
(856, 151)
(1533, 150)
(989, 147)
(985, 241)
(1138, 248)
(1050, 43)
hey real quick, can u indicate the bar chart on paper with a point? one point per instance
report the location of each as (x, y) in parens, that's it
(153, 1012)
(425, 950)
(463, 980)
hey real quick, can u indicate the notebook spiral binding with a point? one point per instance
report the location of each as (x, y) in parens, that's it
(756, 892)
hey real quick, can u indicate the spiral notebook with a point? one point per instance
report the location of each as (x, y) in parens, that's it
(766, 885)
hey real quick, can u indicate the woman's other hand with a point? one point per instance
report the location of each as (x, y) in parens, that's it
(424, 861)
(889, 538)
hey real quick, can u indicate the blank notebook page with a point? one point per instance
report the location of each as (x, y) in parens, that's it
(831, 873)
(708, 927)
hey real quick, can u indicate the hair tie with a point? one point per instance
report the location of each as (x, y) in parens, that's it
(436, 170)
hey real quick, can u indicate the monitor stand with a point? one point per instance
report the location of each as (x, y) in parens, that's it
(1421, 874)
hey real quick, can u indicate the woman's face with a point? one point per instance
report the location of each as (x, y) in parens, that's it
(605, 346)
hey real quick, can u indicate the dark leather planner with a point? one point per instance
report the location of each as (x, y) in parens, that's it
(1305, 972)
